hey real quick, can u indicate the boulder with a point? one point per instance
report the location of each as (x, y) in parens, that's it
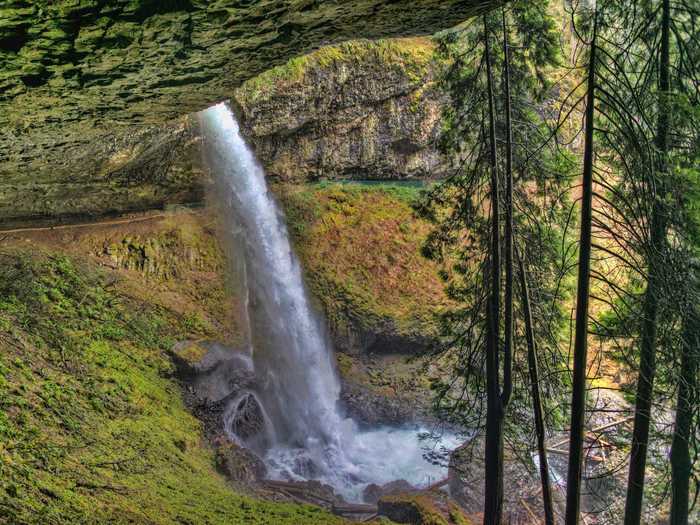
(238, 464)
(244, 419)
(374, 492)
(430, 508)
(211, 370)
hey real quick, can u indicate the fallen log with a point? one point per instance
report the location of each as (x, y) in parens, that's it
(301, 491)
(596, 430)
(591, 457)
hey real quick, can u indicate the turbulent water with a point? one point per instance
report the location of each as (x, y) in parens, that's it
(305, 435)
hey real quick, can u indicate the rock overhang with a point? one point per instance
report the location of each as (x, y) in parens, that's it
(79, 79)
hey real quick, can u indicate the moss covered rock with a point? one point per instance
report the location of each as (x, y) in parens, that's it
(92, 425)
(422, 509)
(360, 248)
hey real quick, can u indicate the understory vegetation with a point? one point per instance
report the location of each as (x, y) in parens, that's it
(360, 245)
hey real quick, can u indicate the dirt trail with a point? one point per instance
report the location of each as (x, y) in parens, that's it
(122, 219)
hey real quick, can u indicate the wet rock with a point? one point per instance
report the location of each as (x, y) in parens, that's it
(211, 370)
(371, 409)
(244, 419)
(239, 464)
(374, 492)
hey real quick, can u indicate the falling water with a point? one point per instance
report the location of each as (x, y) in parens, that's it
(298, 386)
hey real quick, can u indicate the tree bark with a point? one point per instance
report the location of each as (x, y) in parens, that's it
(508, 235)
(493, 491)
(647, 357)
(578, 397)
(536, 398)
(681, 462)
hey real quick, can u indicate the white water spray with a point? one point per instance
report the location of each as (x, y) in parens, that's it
(298, 385)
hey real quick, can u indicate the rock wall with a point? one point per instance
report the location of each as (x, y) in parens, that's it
(79, 73)
(360, 110)
(131, 169)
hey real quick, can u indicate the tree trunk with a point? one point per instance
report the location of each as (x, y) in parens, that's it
(493, 492)
(647, 357)
(578, 397)
(681, 463)
(536, 398)
(508, 235)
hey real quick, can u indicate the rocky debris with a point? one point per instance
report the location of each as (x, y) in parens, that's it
(374, 492)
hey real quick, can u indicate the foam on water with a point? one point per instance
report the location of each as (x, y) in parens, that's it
(298, 388)
(378, 456)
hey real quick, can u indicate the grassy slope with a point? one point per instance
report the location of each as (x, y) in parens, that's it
(92, 425)
(360, 247)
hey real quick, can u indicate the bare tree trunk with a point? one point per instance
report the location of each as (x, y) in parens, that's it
(493, 492)
(578, 397)
(681, 463)
(508, 236)
(647, 357)
(536, 398)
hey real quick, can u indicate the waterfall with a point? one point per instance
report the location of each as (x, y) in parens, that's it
(298, 387)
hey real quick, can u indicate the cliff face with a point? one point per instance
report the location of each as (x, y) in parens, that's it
(129, 170)
(363, 110)
(79, 73)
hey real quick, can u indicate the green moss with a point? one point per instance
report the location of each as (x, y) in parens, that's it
(360, 247)
(92, 425)
(423, 508)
